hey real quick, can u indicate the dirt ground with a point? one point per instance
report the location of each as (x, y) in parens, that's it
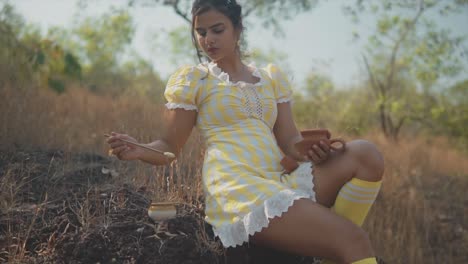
(52, 213)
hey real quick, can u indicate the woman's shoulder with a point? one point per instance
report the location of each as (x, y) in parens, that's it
(187, 74)
(272, 69)
(187, 69)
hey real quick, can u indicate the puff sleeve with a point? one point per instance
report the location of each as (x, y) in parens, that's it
(182, 89)
(281, 84)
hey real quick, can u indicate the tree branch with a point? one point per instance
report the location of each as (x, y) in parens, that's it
(378, 87)
(376, 84)
(248, 11)
(175, 6)
(396, 48)
(398, 126)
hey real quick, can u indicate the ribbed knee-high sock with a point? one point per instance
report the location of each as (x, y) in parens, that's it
(355, 199)
(366, 261)
(362, 261)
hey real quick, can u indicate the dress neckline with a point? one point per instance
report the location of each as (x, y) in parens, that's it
(223, 76)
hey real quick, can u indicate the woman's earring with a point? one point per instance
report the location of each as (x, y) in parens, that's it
(238, 43)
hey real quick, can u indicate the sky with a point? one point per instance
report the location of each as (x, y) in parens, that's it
(316, 41)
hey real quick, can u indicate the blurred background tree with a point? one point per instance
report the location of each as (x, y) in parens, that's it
(414, 72)
(270, 13)
(409, 60)
(16, 59)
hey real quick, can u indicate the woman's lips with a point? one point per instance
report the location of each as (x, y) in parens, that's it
(212, 50)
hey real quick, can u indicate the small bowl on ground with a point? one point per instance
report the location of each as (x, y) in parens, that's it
(160, 211)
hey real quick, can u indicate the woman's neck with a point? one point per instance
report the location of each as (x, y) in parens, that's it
(233, 67)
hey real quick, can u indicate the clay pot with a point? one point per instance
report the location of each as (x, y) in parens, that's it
(310, 138)
(314, 136)
(162, 211)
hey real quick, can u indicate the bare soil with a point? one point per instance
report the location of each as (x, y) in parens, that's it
(51, 212)
(55, 213)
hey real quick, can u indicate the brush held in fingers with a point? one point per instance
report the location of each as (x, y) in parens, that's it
(167, 154)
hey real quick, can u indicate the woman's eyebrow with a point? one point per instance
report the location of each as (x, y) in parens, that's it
(213, 26)
(217, 24)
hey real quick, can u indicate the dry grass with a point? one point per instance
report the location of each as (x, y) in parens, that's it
(77, 121)
(420, 216)
(410, 222)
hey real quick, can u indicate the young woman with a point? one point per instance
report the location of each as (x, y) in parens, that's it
(244, 114)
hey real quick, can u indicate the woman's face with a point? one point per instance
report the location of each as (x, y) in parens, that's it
(216, 35)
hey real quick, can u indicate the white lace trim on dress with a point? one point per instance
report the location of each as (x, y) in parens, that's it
(223, 76)
(304, 178)
(235, 234)
(184, 106)
(285, 100)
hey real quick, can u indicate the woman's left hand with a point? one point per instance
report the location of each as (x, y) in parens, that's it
(319, 153)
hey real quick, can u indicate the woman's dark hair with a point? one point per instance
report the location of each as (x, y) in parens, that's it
(230, 8)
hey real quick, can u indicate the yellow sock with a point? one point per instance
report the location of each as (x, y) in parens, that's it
(362, 261)
(366, 261)
(355, 199)
(354, 202)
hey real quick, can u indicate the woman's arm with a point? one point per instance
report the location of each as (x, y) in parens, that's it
(287, 135)
(178, 126)
(286, 132)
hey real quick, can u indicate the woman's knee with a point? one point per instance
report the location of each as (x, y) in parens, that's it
(368, 157)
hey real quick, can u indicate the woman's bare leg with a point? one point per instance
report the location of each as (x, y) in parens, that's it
(310, 229)
(361, 160)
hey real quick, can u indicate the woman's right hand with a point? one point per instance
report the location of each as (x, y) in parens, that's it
(122, 150)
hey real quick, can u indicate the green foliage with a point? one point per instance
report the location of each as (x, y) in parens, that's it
(90, 54)
(408, 58)
(344, 110)
(313, 108)
(271, 13)
(56, 66)
(451, 116)
(102, 39)
(139, 75)
(261, 57)
(72, 65)
(101, 56)
(177, 45)
(27, 59)
(56, 85)
(101, 42)
(16, 67)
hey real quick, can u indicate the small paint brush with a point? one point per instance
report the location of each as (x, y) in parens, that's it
(167, 154)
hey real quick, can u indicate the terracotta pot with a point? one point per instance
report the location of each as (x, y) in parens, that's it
(162, 211)
(311, 137)
(314, 136)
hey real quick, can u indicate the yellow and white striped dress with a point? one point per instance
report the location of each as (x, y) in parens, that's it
(241, 170)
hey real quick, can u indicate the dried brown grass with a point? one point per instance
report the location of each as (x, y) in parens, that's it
(420, 177)
(420, 188)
